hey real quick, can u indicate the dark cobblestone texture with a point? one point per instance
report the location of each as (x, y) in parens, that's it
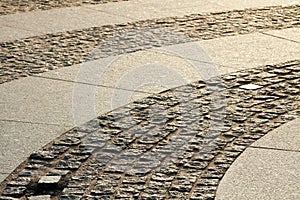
(15, 6)
(174, 145)
(40, 54)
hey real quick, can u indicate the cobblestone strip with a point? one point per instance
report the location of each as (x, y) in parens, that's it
(39, 54)
(174, 145)
(15, 6)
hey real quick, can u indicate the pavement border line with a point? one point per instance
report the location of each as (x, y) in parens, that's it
(280, 37)
(271, 148)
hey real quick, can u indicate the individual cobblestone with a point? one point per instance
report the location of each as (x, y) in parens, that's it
(15, 6)
(35, 55)
(183, 150)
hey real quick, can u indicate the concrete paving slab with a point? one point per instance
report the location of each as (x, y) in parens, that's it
(242, 4)
(285, 137)
(58, 20)
(19, 139)
(134, 10)
(9, 34)
(146, 9)
(251, 50)
(134, 71)
(40, 100)
(262, 174)
(142, 10)
(290, 34)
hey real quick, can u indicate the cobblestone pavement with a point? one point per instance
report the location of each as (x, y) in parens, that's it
(15, 6)
(39, 54)
(174, 145)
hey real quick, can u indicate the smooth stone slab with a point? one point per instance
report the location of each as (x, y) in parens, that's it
(285, 137)
(242, 4)
(250, 50)
(262, 174)
(290, 34)
(8, 33)
(146, 9)
(19, 140)
(159, 68)
(40, 100)
(142, 10)
(57, 20)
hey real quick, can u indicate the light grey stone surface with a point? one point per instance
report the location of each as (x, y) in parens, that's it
(241, 4)
(135, 71)
(251, 50)
(57, 20)
(285, 137)
(8, 33)
(141, 10)
(19, 140)
(41, 100)
(262, 174)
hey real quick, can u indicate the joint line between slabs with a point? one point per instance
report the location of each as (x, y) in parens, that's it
(279, 37)
(275, 149)
(24, 29)
(91, 84)
(113, 14)
(27, 122)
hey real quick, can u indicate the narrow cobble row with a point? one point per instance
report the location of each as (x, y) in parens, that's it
(39, 54)
(174, 145)
(15, 6)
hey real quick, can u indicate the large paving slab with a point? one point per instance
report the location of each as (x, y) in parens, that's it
(140, 9)
(160, 67)
(40, 100)
(8, 33)
(285, 137)
(247, 51)
(262, 174)
(58, 20)
(241, 4)
(19, 140)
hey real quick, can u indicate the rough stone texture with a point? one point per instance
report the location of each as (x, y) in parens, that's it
(39, 54)
(174, 145)
(15, 6)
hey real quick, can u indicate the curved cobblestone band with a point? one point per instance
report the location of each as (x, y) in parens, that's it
(126, 154)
